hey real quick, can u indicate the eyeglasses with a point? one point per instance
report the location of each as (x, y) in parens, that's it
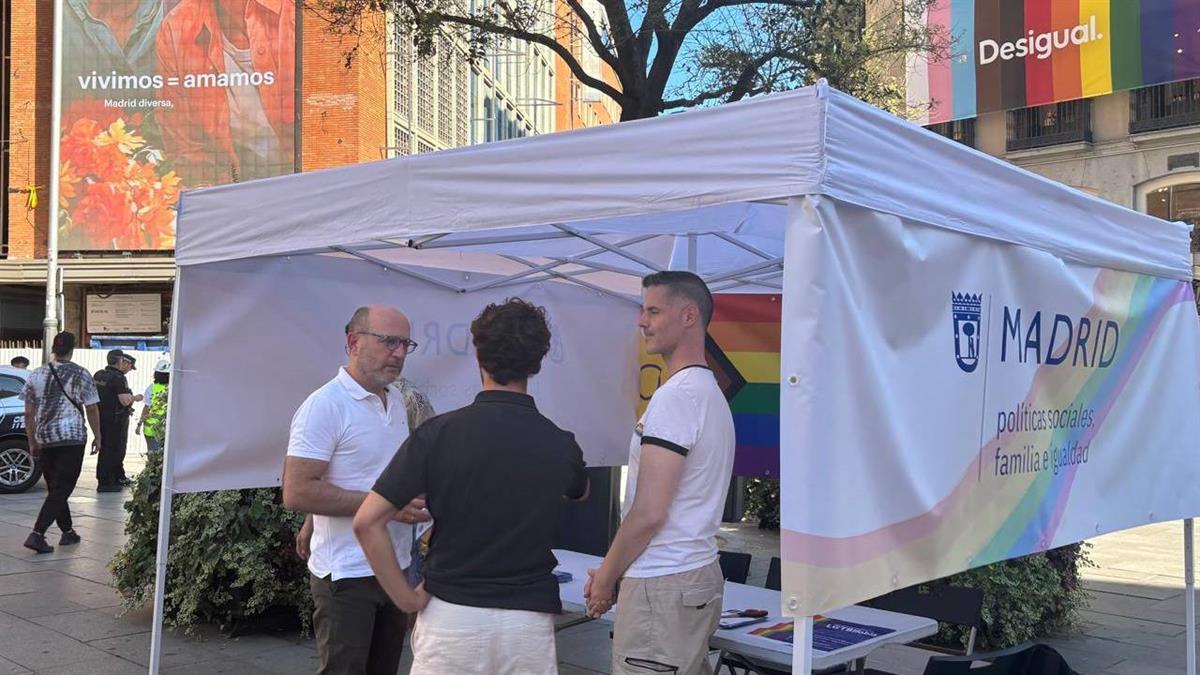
(392, 342)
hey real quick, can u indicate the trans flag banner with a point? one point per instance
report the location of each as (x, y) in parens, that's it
(950, 401)
(743, 352)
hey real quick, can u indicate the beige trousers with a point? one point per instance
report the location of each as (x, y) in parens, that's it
(664, 623)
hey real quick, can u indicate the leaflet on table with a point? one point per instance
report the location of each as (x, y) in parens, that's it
(829, 634)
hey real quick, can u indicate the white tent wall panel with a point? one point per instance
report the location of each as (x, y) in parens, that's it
(257, 336)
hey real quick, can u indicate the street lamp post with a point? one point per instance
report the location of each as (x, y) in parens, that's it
(50, 323)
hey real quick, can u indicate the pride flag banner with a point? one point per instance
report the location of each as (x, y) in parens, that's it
(1006, 54)
(743, 351)
(950, 401)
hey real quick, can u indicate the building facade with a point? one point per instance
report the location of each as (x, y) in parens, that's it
(385, 102)
(578, 105)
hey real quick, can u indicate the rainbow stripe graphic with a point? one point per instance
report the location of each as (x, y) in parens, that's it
(1058, 50)
(983, 520)
(743, 351)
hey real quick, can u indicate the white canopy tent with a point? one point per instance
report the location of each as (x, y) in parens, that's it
(572, 221)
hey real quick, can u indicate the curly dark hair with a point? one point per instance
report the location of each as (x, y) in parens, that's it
(511, 339)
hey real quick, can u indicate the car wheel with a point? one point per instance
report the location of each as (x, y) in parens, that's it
(18, 470)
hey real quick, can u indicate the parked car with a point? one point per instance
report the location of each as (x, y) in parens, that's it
(18, 470)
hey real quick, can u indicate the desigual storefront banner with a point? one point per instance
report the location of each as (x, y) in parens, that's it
(951, 401)
(1006, 54)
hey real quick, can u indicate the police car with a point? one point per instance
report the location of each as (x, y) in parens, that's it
(18, 470)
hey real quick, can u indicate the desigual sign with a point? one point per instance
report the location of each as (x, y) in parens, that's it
(1006, 54)
(1040, 45)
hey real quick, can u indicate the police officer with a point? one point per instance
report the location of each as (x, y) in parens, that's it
(116, 405)
(153, 423)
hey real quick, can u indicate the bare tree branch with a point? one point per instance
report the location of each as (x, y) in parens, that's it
(536, 38)
(739, 89)
(706, 10)
(593, 34)
(632, 63)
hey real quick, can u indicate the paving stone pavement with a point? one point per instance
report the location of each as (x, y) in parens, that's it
(59, 614)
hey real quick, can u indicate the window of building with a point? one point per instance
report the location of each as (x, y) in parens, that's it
(1052, 124)
(1179, 200)
(962, 131)
(1164, 106)
(1176, 202)
(489, 120)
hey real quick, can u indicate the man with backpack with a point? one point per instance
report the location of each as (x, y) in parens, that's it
(56, 397)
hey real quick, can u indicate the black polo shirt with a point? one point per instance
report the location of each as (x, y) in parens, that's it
(494, 475)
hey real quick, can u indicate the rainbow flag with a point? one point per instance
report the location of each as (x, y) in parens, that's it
(1007, 54)
(743, 351)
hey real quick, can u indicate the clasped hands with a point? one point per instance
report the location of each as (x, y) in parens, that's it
(599, 593)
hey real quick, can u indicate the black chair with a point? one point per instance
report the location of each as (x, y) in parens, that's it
(774, 581)
(735, 567)
(1026, 659)
(946, 604)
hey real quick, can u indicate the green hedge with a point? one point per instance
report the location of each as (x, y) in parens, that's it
(1023, 599)
(231, 557)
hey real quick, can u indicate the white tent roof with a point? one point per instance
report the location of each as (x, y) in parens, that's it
(697, 166)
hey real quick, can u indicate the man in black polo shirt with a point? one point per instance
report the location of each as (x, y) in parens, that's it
(494, 474)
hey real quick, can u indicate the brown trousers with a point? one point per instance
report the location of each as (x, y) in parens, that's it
(359, 630)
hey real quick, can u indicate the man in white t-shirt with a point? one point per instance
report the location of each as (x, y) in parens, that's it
(664, 557)
(342, 437)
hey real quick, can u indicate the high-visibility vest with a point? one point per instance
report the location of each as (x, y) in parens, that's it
(156, 419)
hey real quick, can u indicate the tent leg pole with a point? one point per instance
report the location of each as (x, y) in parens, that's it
(802, 646)
(160, 569)
(1189, 584)
(166, 493)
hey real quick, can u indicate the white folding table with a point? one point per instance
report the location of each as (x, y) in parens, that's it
(768, 652)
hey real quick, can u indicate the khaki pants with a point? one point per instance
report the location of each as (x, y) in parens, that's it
(664, 623)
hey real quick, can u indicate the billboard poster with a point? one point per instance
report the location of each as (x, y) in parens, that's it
(1007, 54)
(162, 95)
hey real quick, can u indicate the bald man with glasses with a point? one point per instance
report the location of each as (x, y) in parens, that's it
(342, 437)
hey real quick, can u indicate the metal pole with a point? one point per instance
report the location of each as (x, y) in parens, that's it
(166, 490)
(50, 322)
(1189, 601)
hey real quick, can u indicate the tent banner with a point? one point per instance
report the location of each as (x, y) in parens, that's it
(1006, 54)
(950, 401)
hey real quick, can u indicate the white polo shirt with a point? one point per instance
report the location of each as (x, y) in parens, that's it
(348, 426)
(688, 415)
